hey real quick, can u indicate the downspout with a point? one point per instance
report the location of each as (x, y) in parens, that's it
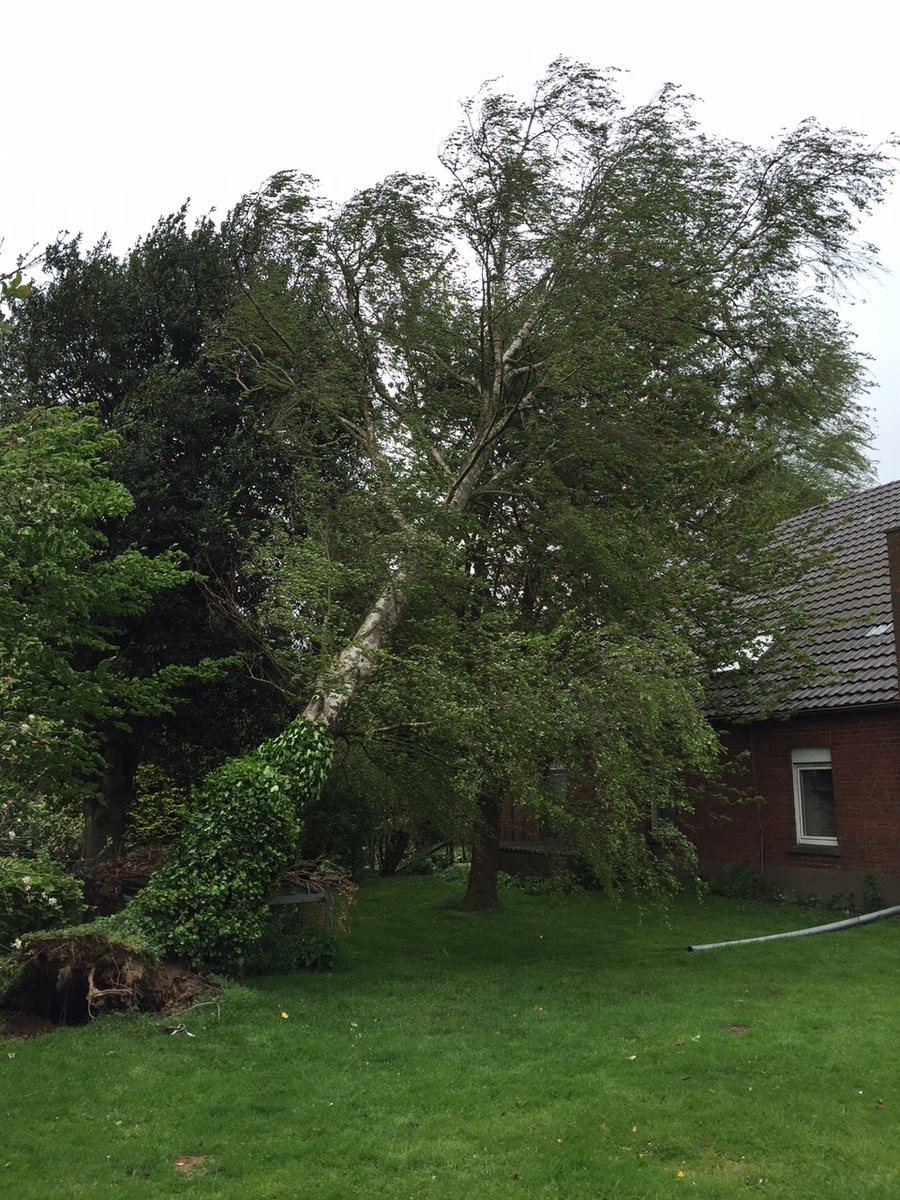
(759, 812)
(892, 537)
(849, 923)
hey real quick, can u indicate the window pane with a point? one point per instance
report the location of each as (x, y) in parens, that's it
(818, 803)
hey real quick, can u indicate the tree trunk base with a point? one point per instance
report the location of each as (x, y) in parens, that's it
(475, 903)
(481, 890)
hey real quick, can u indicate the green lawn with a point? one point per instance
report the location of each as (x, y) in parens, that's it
(564, 1049)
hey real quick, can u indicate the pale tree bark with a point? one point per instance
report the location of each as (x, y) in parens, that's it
(505, 390)
(352, 667)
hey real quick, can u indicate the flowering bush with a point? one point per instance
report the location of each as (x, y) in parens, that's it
(35, 894)
(37, 826)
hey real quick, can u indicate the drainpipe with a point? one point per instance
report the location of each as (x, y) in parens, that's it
(892, 537)
(849, 923)
(759, 804)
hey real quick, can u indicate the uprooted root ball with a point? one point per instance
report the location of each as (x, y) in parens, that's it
(71, 979)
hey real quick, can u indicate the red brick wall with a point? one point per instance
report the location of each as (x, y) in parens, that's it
(865, 764)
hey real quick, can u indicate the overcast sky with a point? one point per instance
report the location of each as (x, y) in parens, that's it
(117, 111)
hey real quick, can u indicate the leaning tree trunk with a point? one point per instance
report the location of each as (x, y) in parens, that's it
(481, 891)
(349, 671)
(107, 810)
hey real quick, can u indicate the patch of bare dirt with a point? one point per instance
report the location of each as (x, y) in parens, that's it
(22, 1025)
(68, 980)
(190, 1164)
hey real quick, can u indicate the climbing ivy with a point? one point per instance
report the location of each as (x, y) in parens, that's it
(210, 901)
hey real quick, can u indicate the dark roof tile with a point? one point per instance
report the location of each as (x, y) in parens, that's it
(850, 634)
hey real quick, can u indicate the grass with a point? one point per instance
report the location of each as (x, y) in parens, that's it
(554, 1050)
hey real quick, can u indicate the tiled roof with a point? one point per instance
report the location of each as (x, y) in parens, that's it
(850, 635)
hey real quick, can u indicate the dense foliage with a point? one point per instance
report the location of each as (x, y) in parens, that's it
(64, 599)
(588, 371)
(129, 339)
(288, 943)
(210, 900)
(488, 465)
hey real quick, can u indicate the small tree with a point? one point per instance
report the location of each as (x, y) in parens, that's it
(62, 600)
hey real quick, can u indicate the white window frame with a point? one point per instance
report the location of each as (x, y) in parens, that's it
(809, 758)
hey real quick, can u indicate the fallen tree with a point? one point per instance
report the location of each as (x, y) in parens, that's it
(587, 375)
(201, 910)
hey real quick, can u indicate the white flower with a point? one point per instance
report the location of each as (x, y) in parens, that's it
(17, 944)
(52, 901)
(26, 879)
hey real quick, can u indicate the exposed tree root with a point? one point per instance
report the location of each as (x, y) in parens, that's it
(69, 979)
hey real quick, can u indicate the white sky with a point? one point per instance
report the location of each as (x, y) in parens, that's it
(116, 111)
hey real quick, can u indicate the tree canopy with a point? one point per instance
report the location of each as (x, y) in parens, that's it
(129, 339)
(587, 371)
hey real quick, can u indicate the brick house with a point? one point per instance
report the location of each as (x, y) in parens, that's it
(829, 773)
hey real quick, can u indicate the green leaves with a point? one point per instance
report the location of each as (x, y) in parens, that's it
(62, 598)
(11, 288)
(14, 288)
(586, 374)
(210, 902)
(35, 893)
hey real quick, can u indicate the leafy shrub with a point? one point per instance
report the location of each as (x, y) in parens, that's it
(290, 943)
(583, 874)
(533, 884)
(872, 899)
(454, 872)
(743, 883)
(428, 862)
(35, 894)
(160, 809)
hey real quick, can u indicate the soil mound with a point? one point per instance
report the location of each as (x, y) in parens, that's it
(22, 1025)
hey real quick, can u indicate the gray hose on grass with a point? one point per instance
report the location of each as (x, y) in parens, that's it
(831, 928)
